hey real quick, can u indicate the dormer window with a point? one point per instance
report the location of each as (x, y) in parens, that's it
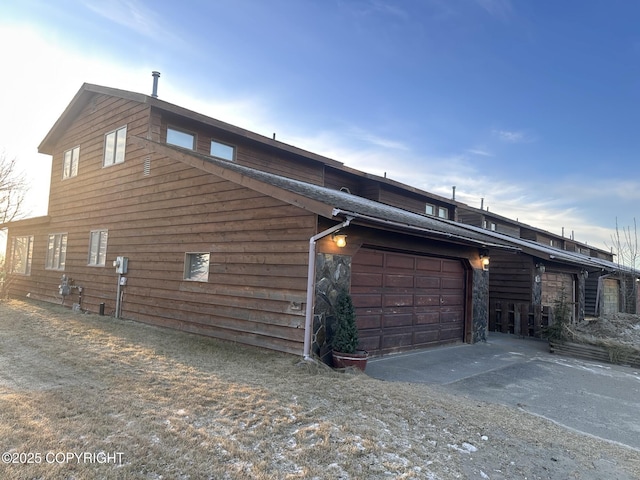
(430, 209)
(443, 212)
(180, 138)
(222, 150)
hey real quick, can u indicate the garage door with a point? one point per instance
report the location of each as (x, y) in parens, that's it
(559, 287)
(406, 301)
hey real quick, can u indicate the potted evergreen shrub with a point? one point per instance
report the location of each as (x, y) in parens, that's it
(344, 342)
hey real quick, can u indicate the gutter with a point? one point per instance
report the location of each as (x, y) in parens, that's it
(311, 282)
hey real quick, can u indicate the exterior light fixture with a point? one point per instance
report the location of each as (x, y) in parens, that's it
(541, 268)
(340, 240)
(484, 259)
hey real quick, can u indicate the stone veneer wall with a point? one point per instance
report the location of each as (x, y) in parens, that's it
(480, 323)
(333, 273)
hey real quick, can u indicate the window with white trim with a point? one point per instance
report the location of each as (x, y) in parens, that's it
(196, 267)
(70, 162)
(180, 138)
(222, 150)
(98, 247)
(114, 146)
(443, 212)
(430, 209)
(21, 254)
(56, 251)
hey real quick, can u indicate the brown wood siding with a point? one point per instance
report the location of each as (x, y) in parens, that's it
(406, 301)
(248, 153)
(258, 245)
(511, 277)
(337, 180)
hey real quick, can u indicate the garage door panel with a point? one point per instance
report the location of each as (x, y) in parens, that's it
(397, 300)
(420, 301)
(427, 300)
(429, 264)
(398, 281)
(394, 320)
(366, 300)
(399, 261)
(367, 279)
(427, 318)
(422, 281)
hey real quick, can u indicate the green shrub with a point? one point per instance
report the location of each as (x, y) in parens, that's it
(345, 331)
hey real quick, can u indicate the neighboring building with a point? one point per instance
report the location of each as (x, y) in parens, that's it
(223, 232)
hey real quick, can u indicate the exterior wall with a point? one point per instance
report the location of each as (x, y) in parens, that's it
(258, 245)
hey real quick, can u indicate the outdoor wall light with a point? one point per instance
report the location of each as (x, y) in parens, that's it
(340, 240)
(541, 268)
(484, 259)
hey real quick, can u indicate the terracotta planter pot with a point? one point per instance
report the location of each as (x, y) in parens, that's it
(344, 360)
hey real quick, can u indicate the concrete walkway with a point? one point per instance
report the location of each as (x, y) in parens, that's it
(597, 399)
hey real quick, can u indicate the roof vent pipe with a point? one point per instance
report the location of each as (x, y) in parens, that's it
(454, 192)
(482, 203)
(156, 76)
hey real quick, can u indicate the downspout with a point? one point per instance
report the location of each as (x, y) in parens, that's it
(311, 283)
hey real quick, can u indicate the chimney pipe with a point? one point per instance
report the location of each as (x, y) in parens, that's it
(155, 76)
(454, 192)
(482, 203)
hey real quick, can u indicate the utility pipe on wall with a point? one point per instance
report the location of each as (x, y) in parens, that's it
(311, 283)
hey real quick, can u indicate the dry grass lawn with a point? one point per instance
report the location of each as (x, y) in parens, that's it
(148, 403)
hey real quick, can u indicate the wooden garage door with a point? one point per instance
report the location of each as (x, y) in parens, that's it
(406, 301)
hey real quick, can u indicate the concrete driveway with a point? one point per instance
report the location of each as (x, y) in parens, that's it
(597, 399)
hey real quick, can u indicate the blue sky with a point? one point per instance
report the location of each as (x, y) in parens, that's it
(532, 105)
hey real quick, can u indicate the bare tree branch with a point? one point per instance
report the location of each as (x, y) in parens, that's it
(13, 188)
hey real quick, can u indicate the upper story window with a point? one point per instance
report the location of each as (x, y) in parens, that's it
(21, 254)
(430, 209)
(196, 267)
(98, 247)
(443, 212)
(114, 146)
(70, 162)
(56, 251)
(222, 150)
(180, 138)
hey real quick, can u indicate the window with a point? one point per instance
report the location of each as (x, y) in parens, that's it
(196, 267)
(98, 247)
(443, 212)
(180, 138)
(492, 226)
(70, 163)
(114, 146)
(21, 254)
(430, 209)
(223, 151)
(56, 251)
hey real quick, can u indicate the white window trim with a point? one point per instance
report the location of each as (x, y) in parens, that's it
(232, 147)
(116, 156)
(62, 255)
(74, 154)
(100, 255)
(28, 252)
(185, 132)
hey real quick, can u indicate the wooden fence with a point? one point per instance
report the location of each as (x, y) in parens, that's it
(521, 319)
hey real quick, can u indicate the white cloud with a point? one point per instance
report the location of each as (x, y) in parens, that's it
(509, 136)
(500, 9)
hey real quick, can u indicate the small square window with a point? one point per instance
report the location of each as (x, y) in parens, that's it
(114, 146)
(180, 138)
(70, 162)
(430, 209)
(196, 267)
(443, 212)
(222, 150)
(98, 248)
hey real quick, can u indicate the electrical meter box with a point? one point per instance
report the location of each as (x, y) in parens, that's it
(120, 263)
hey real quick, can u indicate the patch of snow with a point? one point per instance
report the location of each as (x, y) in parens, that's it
(483, 475)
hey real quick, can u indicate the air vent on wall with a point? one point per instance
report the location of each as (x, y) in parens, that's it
(345, 189)
(146, 169)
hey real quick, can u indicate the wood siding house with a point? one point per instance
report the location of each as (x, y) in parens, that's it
(231, 234)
